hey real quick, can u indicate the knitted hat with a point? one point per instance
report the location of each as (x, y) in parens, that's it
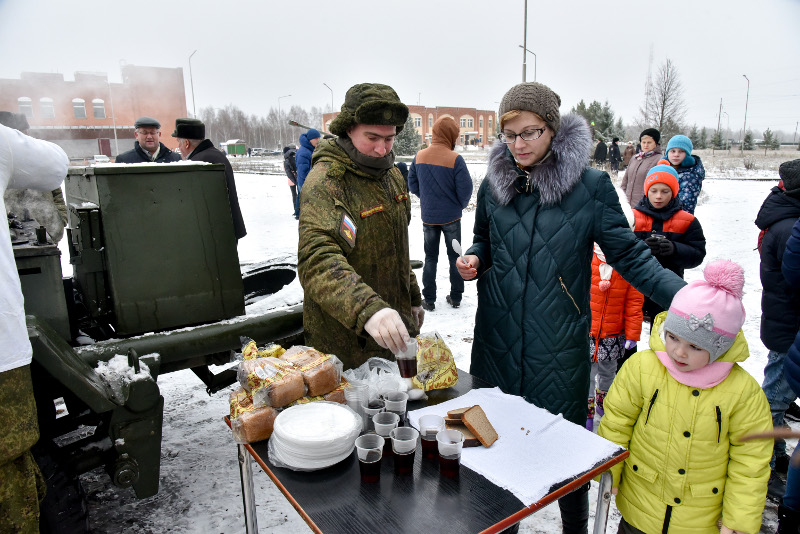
(663, 173)
(709, 313)
(652, 132)
(536, 98)
(789, 171)
(685, 144)
(312, 134)
(187, 128)
(370, 103)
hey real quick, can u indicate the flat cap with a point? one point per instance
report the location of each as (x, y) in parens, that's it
(145, 122)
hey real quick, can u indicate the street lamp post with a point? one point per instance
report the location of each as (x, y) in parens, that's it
(331, 90)
(191, 82)
(727, 128)
(280, 119)
(524, 44)
(747, 99)
(534, 63)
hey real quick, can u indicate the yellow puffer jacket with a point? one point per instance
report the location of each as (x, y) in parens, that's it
(688, 466)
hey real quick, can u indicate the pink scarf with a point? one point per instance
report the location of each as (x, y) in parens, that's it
(642, 155)
(703, 378)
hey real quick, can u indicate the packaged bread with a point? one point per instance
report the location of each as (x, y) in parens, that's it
(337, 395)
(436, 368)
(249, 423)
(250, 350)
(271, 381)
(321, 372)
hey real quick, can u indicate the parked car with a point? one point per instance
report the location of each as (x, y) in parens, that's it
(99, 158)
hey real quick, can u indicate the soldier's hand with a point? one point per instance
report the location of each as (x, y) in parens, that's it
(419, 315)
(468, 270)
(387, 329)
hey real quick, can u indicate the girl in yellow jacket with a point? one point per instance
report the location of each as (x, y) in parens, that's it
(682, 409)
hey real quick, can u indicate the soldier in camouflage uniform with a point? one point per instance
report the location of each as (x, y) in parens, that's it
(361, 297)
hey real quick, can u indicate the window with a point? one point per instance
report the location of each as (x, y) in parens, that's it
(470, 123)
(79, 108)
(430, 121)
(417, 122)
(25, 106)
(490, 124)
(480, 123)
(99, 108)
(46, 108)
(463, 123)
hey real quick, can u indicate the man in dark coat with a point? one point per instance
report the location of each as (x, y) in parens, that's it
(780, 303)
(148, 147)
(193, 145)
(290, 168)
(614, 157)
(600, 153)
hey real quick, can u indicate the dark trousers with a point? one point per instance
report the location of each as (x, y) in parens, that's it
(575, 511)
(294, 199)
(432, 233)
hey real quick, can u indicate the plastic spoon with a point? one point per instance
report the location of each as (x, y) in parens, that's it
(457, 248)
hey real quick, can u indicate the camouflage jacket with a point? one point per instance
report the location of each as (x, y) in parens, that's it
(353, 257)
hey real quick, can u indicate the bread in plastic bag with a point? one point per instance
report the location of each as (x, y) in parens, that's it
(271, 381)
(436, 368)
(251, 351)
(249, 423)
(322, 373)
(337, 395)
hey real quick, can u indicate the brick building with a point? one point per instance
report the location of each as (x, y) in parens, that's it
(477, 126)
(89, 115)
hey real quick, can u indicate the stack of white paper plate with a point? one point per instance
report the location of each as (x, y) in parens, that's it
(313, 436)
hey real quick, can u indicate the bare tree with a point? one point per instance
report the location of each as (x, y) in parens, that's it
(664, 106)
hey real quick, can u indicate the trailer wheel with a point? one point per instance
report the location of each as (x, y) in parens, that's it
(64, 509)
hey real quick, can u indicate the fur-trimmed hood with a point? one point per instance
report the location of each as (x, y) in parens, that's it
(554, 177)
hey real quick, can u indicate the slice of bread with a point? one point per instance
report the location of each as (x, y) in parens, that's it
(457, 413)
(476, 421)
(469, 438)
(452, 421)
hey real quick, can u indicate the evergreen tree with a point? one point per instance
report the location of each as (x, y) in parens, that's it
(769, 140)
(601, 119)
(748, 141)
(702, 141)
(408, 141)
(716, 140)
(694, 136)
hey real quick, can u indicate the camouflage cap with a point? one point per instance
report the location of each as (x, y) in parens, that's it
(370, 103)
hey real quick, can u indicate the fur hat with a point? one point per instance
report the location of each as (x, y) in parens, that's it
(370, 103)
(652, 132)
(189, 129)
(663, 173)
(789, 171)
(536, 98)
(685, 144)
(709, 313)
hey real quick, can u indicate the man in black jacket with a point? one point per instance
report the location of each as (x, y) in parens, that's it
(193, 145)
(290, 168)
(148, 147)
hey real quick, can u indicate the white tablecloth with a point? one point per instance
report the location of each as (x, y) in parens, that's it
(535, 449)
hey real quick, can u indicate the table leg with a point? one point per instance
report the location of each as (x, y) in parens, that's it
(248, 495)
(603, 503)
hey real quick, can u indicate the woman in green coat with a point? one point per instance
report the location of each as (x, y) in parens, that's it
(540, 211)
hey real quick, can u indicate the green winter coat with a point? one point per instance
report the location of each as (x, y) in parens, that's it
(687, 463)
(353, 257)
(534, 237)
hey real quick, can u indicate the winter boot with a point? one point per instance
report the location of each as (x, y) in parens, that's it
(590, 415)
(428, 305)
(788, 520)
(600, 397)
(782, 463)
(775, 487)
(792, 413)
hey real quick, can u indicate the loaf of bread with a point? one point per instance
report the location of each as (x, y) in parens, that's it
(337, 395)
(476, 421)
(271, 381)
(255, 425)
(321, 372)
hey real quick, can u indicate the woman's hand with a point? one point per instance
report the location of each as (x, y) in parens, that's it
(725, 530)
(468, 270)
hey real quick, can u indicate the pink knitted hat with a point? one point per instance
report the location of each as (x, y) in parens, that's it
(709, 313)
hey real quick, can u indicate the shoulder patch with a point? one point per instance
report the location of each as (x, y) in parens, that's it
(348, 230)
(401, 197)
(372, 211)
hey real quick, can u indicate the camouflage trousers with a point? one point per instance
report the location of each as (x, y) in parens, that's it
(22, 486)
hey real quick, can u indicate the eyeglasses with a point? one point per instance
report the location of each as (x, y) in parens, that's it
(527, 135)
(147, 132)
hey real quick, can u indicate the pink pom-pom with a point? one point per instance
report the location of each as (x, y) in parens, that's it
(725, 275)
(604, 285)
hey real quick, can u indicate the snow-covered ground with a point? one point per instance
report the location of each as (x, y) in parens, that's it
(200, 490)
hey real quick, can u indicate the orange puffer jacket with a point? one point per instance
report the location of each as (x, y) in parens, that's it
(618, 309)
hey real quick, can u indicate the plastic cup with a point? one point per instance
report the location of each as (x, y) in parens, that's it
(429, 427)
(373, 408)
(404, 447)
(384, 423)
(450, 444)
(395, 402)
(369, 449)
(407, 359)
(356, 395)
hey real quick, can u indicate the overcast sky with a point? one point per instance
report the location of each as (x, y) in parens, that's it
(433, 52)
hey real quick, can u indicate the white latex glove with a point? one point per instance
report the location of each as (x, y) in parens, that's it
(387, 329)
(468, 270)
(419, 315)
(630, 344)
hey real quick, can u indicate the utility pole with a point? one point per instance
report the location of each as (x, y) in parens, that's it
(524, 41)
(331, 90)
(719, 120)
(280, 119)
(191, 82)
(794, 139)
(747, 99)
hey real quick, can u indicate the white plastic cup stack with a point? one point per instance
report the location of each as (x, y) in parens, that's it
(356, 394)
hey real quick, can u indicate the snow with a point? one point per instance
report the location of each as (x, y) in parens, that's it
(200, 491)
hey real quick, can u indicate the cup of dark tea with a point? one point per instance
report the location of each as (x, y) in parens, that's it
(395, 402)
(384, 423)
(404, 447)
(369, 449)
(429, 427)
(407, 359)
(373, 407)
(450, 443)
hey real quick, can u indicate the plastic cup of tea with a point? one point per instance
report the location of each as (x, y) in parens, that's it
(369, 449)
(450, 444)
(356, 395)
(384, 423)
(395, 402)
(407, 359)
(429, 426)
(373, 408)
(404, 447)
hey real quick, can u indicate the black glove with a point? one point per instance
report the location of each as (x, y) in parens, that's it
(667, 247)
(653, 243)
